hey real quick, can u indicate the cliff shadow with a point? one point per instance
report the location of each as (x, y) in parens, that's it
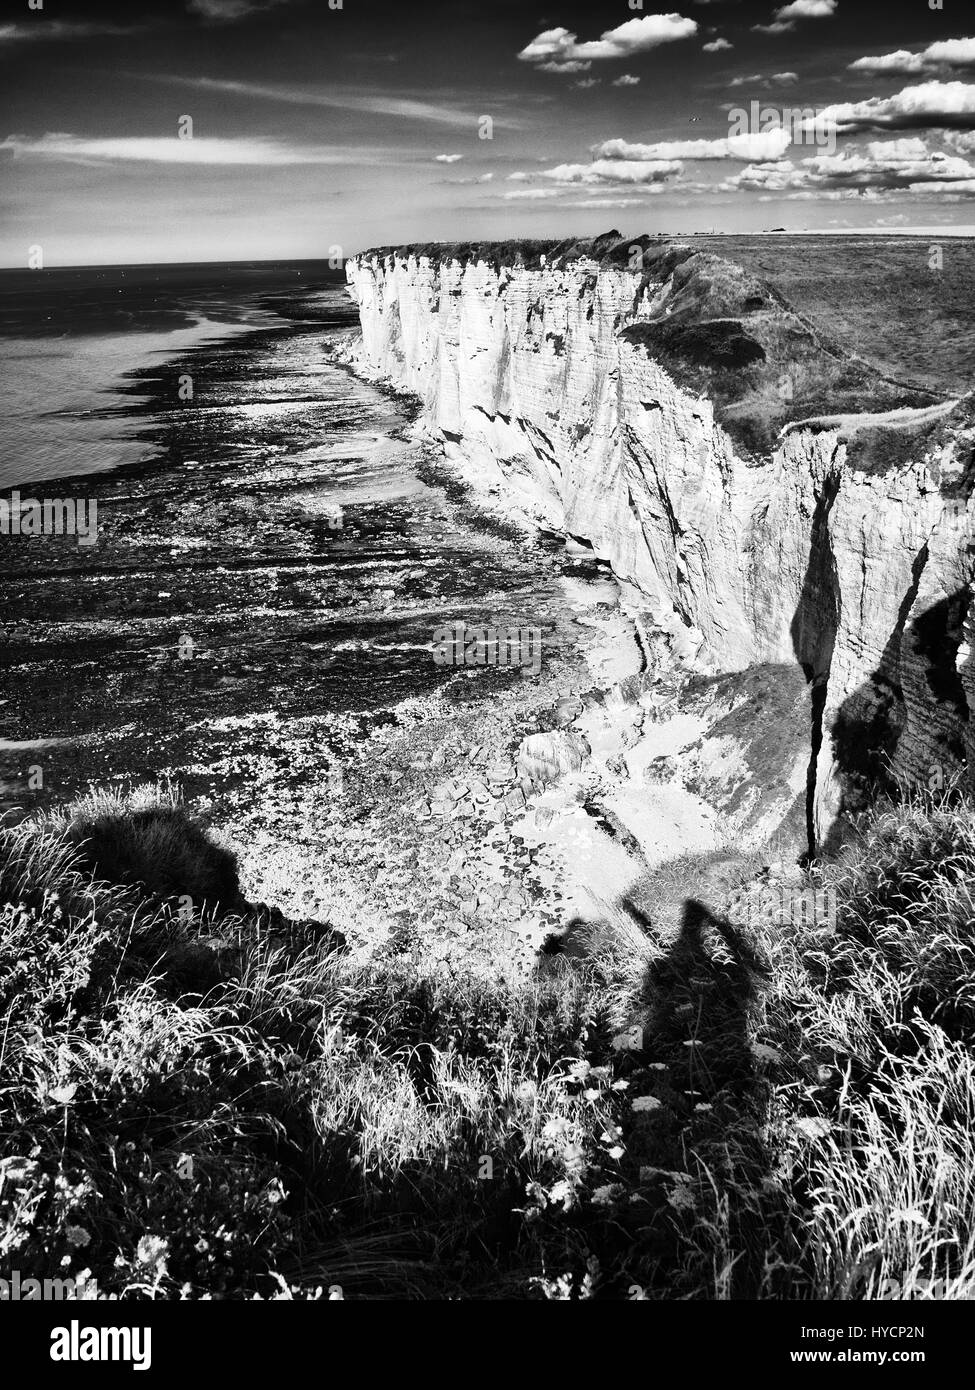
(865, 732)
(918, 664)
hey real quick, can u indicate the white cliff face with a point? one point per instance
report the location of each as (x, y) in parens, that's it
(861, 575)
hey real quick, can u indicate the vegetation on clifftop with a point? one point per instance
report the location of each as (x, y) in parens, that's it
(221, 1102)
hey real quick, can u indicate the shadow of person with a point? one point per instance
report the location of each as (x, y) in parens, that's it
(708, 1094)
(698, 997)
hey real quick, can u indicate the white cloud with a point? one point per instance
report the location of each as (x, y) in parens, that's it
(882, 167)
(38, 30)
(448, 158)
(784, 79)
(642, 171)
(807, 9)
(717, 46)
(626, 80)
(553, 49)
(154, 149)
(752, 78)
(947, 53)
(533, 194)
(762, 145)
(587, 82)
(573, 65)
(927, 105)
(784, 18)
(230, 9)
(335, 96)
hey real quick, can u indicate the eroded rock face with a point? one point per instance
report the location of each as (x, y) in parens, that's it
(676, 418)
(544, 758)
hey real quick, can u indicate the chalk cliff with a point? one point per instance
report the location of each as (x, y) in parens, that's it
(773, 501)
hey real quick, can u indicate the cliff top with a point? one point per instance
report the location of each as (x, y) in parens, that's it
(723, 332)
(609, 249)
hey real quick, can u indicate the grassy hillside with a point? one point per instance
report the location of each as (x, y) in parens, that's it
(878, 296)
(200, 1097)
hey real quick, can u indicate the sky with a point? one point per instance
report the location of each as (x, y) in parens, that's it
(211, 130)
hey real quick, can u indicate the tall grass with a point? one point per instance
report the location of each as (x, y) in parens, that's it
(211, 1101)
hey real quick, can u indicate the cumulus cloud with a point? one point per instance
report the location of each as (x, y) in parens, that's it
(586, 82)
(883, 166)
(784, 79)
(601, 171)
(926, 106)
(948, 53)
(573, 65)
(750, 80)
(155, 149)
(784, 18)
(559, 50)
(448, 158)
(717, 46)
(807, 9)
(762, 145)
(626, 80)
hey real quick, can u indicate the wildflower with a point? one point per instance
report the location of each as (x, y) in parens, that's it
(563, 1192)
(702, 1105)
(77, 1237)
(153, 1251)
(591, 1093)
(815, 1128)
(763, 1053)
(646, 1103)
(555, 1129)
(64, 1095)
(681, 1196)
(910, 1217)
(607, 1194)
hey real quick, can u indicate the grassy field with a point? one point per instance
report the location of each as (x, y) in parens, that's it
(199, 1097)
(877, 296)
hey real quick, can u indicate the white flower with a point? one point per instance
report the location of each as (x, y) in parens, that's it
(816, 1128)
(77, 1236)
(606, 1195)
(681, 1197)
(646, 1103)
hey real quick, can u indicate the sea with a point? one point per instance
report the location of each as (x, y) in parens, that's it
(272, 547)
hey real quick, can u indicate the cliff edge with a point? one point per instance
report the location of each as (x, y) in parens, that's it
(773, 500)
